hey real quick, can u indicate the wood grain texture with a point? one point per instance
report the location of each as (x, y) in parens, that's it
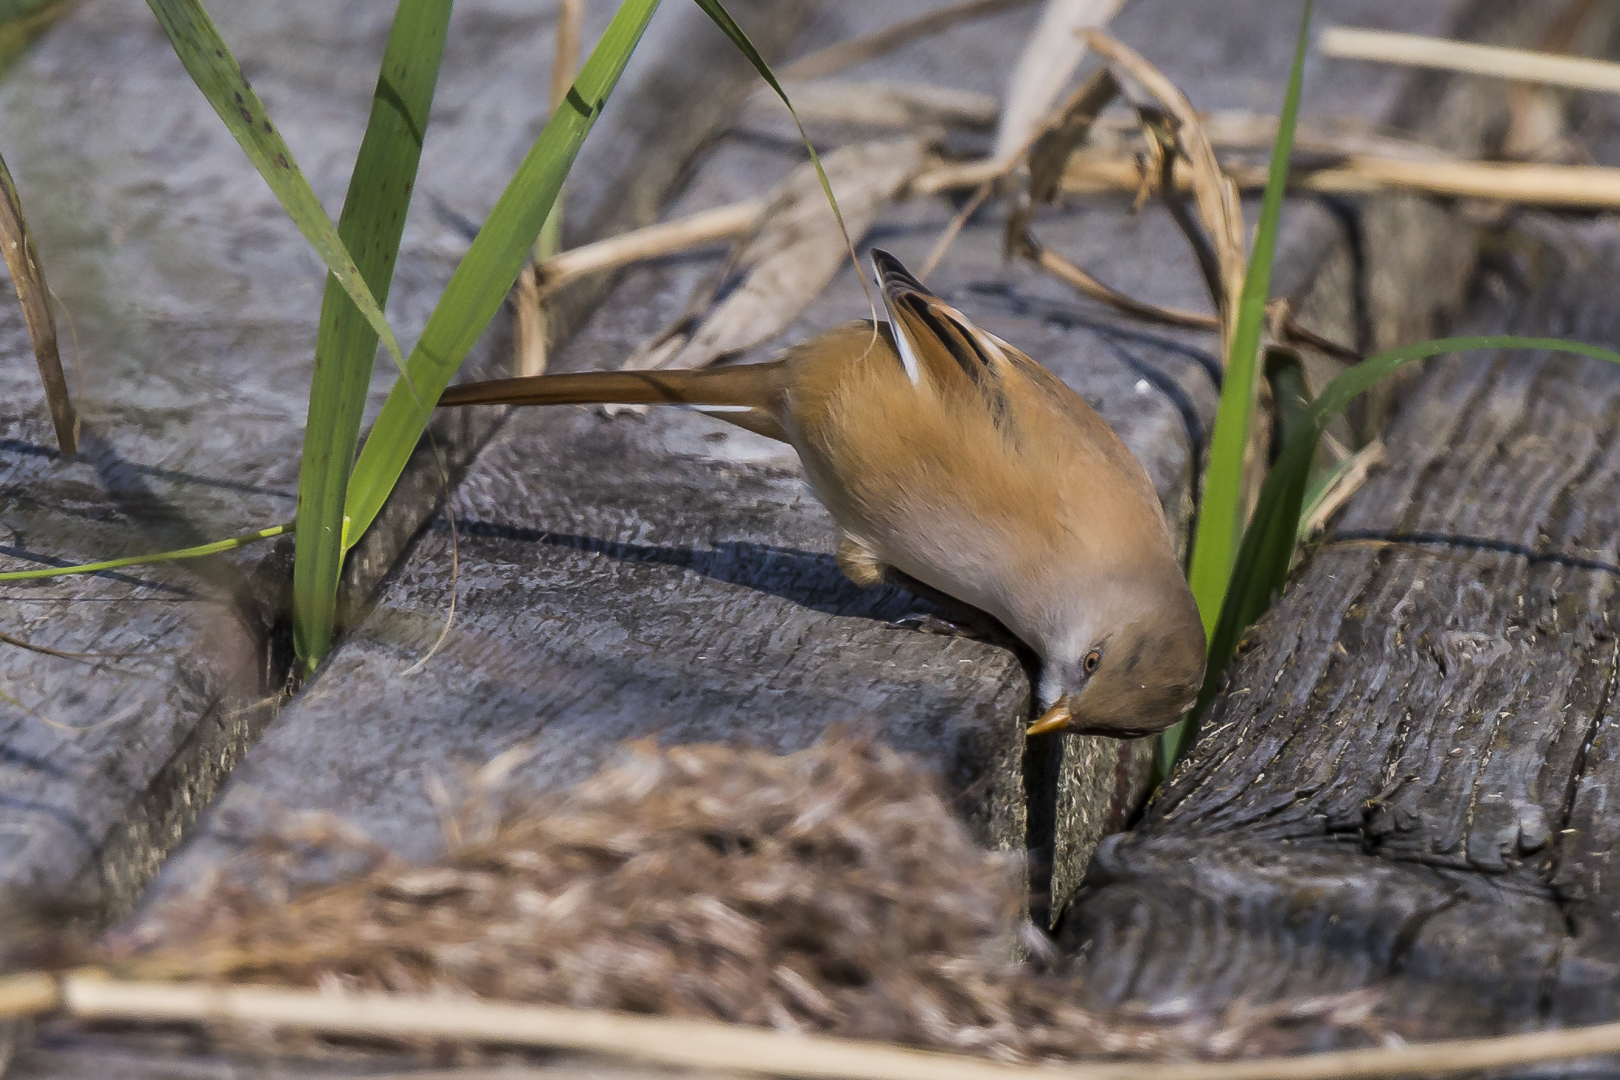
(1408, 782)
(666, 576)
(195, 304)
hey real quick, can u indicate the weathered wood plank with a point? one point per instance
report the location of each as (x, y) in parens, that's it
(665, 576)
(195, 301)
(1407, 783)
(605, 558)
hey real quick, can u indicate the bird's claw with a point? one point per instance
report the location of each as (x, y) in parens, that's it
(925, 623)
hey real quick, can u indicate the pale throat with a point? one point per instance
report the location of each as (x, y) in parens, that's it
(1073, 626)
(1061, 655)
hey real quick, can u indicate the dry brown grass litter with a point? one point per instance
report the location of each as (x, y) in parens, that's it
(827, 891)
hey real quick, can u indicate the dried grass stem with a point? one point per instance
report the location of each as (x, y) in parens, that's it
(665, 238)
(718, 1046)
(1521, 65)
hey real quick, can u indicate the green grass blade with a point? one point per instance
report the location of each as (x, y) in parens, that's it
(21, 21)
(217, 74)
(1316, 493)
(197, 552)
(1220, 509)
(722, 18)
(486, 273)
(1285, 374)
(1261, 568)
(370, 226)
(1219, 524)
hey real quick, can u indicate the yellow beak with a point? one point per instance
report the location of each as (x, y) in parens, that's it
(1054, 719)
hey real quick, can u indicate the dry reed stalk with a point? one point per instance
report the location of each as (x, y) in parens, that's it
(532, 330)
(1217, 236)
(28, 279)
(570, 19)
(1069, 273)
(1214, 194)
(1573, 186)
(1536, 123)
(91, 996)
(654, 241)
(1326, 134)
(953, 229)
(1287, 329)
(529, 328)
(1050, 56)
(1588, 187)
(1346, 484)
(875, 103)
(787, 258)
(1592, 187)
(1063, 132)
(1163, 153)
(1520, 65)
(1028, 120)
(844, 54)
(955, 176)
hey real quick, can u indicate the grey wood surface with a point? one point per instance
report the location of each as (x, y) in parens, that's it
(1409, 782)
(665, 576)
(194, 301)
(651, 576)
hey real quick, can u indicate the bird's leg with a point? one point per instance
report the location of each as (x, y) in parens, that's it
(862, 566)
(955, 617)
(859, 563)
(928, 623)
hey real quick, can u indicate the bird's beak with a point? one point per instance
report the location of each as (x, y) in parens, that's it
(1054, 719)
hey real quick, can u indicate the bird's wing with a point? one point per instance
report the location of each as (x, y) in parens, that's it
(948, 351)
(936, 341)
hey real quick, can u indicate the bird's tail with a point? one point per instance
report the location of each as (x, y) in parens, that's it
(748, 395)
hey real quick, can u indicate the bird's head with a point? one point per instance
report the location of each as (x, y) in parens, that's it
(1132, 666)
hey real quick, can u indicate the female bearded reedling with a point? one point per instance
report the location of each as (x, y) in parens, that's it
(944, 452)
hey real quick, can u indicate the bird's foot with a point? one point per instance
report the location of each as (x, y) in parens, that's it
(927, 623)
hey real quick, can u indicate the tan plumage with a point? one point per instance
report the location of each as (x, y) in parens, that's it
(944, 452)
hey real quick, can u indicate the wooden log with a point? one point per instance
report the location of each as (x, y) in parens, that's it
(194, 300)
(595, 555)
(669, 577)
(1408, 783)
(195, 311)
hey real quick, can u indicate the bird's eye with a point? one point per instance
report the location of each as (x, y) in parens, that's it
(1093, 658)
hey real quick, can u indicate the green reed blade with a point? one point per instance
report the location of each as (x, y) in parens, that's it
(486, 273)
(1316, 493)
(1291, 397)
(21, 21)
(142, 560)
(370, 226)
(1219, 513)
(219, 77)
(722, 18)
(1220, 521)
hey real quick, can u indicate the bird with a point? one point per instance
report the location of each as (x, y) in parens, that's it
(946, 454)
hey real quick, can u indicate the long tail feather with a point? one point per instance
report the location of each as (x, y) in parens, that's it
(748, 395)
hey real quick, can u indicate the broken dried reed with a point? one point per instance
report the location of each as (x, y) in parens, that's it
(829, 891)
